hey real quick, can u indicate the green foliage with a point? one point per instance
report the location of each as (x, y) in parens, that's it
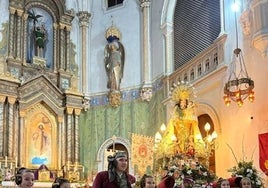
(246, 169)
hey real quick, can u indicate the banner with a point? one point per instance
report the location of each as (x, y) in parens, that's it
(142, 152)
(263, 152)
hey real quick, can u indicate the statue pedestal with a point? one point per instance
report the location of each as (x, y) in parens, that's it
(39, 61)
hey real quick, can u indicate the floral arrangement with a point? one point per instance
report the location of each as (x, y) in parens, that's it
(246, 169)
(190, 173)
(198, 172)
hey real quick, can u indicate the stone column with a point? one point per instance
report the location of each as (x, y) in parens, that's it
(84, 23)
(55, 46)
(11, 30)
(222, 17)
(147, 67)
(146, 90)
(24, 49)
(260, 26)
(168, 32)
(2, 102)
(19, 34)
(11, 101)
(62, 47)
(21, 141)
(76, 135)
(69, 133)
(67, 54)
(61, 143)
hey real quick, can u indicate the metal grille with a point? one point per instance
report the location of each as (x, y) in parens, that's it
(196, 26)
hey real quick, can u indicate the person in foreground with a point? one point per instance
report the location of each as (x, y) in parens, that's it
(245, 183)
(61, 183)
(24, 178)
(116, 175)
(147, 181)
(223, 183)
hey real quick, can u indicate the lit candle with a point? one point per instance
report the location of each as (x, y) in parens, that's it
(6, 161)
(68, 165)
(11, 165)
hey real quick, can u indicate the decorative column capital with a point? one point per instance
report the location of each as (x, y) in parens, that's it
(11, 100)
(145, 3)
(19, 12)
(84, 17)
(68, 27)
(2, 98)
(22, 113)
(69, 110)
(60, 119)
(12, 10)
(77, 111)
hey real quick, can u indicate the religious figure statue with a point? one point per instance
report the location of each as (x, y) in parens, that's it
(40, 39)
(114, 64)
(183, 125)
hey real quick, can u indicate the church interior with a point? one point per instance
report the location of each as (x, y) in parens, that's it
(168, 81)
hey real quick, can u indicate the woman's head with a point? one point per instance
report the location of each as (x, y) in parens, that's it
(245, 183)
(61, 183)
(147, 181)
(223, 183)
(24, 178)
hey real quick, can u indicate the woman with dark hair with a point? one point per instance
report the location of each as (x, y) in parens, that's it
(116, 176)
(147, 181)
(223, 183)
(61, 183)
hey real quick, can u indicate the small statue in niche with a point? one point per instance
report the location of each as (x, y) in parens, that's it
(38, 34)
(114, 59)
(40, 40)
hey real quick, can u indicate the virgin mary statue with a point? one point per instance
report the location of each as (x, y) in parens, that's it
(182, 127)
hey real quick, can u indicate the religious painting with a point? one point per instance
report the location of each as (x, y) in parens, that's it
(40, 140)
(41, 137)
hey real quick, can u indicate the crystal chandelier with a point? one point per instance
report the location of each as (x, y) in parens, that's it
(239, 85)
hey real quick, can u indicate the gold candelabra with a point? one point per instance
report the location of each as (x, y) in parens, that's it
(207, 145)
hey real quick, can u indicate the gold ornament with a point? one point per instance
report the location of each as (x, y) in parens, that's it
(182, 91)
(113, 31)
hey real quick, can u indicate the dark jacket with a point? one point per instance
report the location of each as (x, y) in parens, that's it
(102, 181)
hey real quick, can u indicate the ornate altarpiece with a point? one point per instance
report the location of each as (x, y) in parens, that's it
(39, 100)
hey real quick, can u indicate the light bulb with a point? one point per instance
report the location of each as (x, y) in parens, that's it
(163, 127)
(207, 127)
(214, 135)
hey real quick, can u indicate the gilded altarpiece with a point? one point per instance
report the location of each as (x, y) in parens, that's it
(40, 103)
